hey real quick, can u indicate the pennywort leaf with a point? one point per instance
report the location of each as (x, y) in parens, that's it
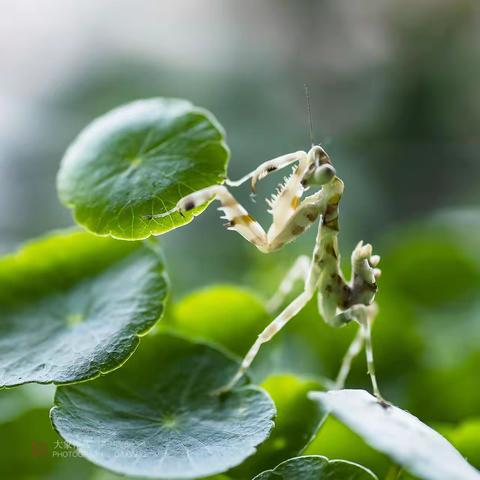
(404, 438)
(466, 437)
(72, 306)
(158, 416)
(297, 420)
(225, 314)
(316, 467)
(138, 160)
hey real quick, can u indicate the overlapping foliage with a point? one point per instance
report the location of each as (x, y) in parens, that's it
(76, 306)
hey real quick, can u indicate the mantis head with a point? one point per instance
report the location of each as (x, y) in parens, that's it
(320, 169)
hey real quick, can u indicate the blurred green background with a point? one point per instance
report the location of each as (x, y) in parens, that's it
(395, 101)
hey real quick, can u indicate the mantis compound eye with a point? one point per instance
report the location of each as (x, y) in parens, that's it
(323, 174)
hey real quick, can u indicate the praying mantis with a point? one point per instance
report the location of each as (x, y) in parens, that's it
(339, 301)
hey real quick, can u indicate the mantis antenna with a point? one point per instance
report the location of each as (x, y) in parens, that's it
(309, 117)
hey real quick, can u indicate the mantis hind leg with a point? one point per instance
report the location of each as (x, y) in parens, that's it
(350, 355)
(364, 315)
(299, 271)
(267, 334)
(365, 319)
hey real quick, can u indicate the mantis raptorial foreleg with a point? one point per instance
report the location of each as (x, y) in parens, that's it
(296, 215)
(268, 167)
(237, 217)
(339, 301)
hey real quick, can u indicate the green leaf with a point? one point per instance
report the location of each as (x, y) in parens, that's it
(227, 315)
(233, 317)
(335, 440)
(432, 284)
(32, 450)
(409, 442)
(158, 417)
(72, 306)
(140, 159)
(101, 474)
(315, 467)
(435, 262)
(306, 346)
(296, 422)
(446, 393)
(466, 437)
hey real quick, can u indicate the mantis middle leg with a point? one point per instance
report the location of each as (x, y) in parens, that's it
(299, 271)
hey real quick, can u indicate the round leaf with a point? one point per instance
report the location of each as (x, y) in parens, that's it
(335, 440)
(158, 417)
(72, 306)
(315, 467)
(444, 246)
(466, 437)
(233, 317)
(297, 420)
(138, 160)
(409, 442)
(224, 314)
